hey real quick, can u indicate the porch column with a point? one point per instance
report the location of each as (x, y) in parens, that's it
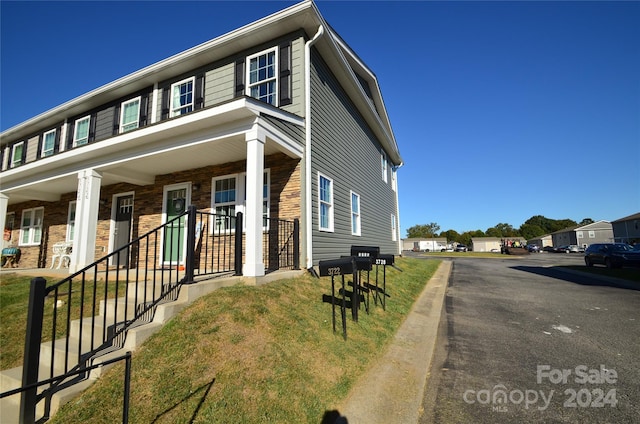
(254, 265)
(87, 204)
(4, 203)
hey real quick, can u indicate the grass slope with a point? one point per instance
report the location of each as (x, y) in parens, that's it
(253, 355)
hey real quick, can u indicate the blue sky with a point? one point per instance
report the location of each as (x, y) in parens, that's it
(502, 110)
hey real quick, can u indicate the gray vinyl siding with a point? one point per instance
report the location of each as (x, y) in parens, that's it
(219, 85)
(345, 150)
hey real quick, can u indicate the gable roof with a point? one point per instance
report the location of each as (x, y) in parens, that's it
(598, 225)
(628, 218)
(304, 15)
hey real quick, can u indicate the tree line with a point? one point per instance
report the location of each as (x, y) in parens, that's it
(533, 227)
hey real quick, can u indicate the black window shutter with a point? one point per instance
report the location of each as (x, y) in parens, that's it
(144, 105)
(92, 127)
(284, 83)
(116, 119)
(239, 78)
(165, 103)
(38, 153)
(199, 92)
(56, 144)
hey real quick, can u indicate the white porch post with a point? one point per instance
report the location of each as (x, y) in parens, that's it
(88, 202)
(254, 265)
(4, 203)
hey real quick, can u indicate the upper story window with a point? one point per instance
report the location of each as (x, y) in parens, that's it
(394, 179)
(383, 163)
(48, 143)
(17, 152)
(355, 214)
(31, 227)
(262, 76)
(130, 115)
(325, 203)
(182, 97)
(81, 131)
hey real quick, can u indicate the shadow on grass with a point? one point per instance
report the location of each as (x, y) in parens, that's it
(206, 387)
(577, 277)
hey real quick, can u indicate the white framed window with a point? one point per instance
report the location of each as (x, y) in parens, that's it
(31, 227)
(592, 234)
(384, 166)
(262, 73)
(48, 143)
(394, 228)
(81, 131)
(394, 179)
(182, 97)
(325, 203)
(230, 196)
(579, 234)
(129, 115)
(355, 214)
(71, 221)
(16, 154)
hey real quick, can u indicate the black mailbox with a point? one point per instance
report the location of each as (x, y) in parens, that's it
(333, 267)
(365, 251)
(385, 260)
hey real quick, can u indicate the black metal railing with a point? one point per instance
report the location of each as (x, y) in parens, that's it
(87, 315)
(281, 244)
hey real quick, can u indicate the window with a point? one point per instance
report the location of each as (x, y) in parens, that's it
(16, 154)
(325, 203)
(592, 234)
(182, 97)
(31, 227)
(394, 228)
(48, 143)
(71, 221)
(383, 162)
(262, 77)
(580, 234)
(81, 131)
(129, 115)
(394, 179)
(229, 197)
(355, 214)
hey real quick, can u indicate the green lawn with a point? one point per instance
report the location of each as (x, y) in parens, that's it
(253, 355)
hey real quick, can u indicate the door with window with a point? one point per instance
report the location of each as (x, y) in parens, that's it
(175, 232)
(122, 229)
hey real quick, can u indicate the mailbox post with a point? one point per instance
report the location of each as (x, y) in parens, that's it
(340, 267)
(383, 260)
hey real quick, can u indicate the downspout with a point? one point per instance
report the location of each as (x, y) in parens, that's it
(307, 156)
(398, 232)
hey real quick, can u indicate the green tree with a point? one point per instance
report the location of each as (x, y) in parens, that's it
(586, 221)
(451, 235)
(502, 230)
(423, 231)
(529, 231)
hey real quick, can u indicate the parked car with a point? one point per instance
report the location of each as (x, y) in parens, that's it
(533, 248)
(548, 249)
(612, 255)
(461, 248)
(569, 248)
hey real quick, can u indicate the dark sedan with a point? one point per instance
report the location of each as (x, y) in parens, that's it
(611, 255)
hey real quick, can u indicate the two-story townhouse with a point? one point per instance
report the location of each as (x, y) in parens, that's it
(584, 235)
(627, 229)
(279, 118)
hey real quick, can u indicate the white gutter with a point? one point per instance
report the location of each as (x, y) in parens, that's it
(307, 156)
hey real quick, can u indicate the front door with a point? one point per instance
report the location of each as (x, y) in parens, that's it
(175, 232)
(122, 230)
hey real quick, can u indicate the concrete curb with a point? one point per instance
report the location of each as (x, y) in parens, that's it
(392, 390)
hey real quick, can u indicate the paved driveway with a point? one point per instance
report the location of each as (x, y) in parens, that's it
(520, 342)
